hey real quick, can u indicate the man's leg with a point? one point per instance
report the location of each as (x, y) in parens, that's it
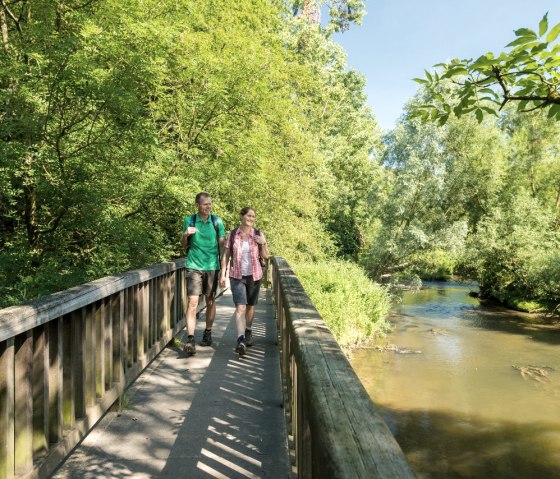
(190, 317)
(209, 291)
(210, 311)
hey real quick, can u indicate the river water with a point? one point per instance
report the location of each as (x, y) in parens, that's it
(457, 394)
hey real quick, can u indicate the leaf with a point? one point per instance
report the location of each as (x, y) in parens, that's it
(525, 32)
(491, 111)
(443, 119)
(554, 110)
(420, 80)
(479, 115)
(456, 71)
(521, 41)
(553, 33)
(489, 91)
(543, 25)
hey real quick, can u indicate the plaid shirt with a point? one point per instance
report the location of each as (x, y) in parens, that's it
(235, 270)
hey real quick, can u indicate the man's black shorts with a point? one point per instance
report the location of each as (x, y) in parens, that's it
(202, 282)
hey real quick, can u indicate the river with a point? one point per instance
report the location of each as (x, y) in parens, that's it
(459, 397)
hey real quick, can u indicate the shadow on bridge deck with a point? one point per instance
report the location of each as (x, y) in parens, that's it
(213, 415)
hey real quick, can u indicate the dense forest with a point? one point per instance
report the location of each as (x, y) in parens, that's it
(114, 114)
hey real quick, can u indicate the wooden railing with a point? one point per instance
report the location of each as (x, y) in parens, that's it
(65, 359)
(333, 425)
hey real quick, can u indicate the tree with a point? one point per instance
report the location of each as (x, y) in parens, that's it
(527, 74)
(341, 12)
(443, 180)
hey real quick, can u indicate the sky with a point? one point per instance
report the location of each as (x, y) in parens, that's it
(399, 39)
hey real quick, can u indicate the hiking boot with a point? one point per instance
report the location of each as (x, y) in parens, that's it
(248, 337)
(240, 348)
(189, 347)
(206, 338)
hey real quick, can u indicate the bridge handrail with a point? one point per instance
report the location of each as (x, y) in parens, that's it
(22, 317)
(67, 358)
(336, 429)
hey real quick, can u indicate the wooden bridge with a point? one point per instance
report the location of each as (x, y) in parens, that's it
(103, 359)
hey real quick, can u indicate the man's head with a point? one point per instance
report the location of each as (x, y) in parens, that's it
(204, 204)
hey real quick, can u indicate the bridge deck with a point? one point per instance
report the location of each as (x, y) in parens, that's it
(213, 415)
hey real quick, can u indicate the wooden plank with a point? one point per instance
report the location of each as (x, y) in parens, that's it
(23, 403)
(55, 381)
(40, 392)
(133, 323)
(152, 311)
(108, 343)
(129, 327)
(7, 405)
(78, 354)
(172, 301)
(141, 339)
(160, 301)
(99, 320)
(18, 319)
(117, 320)
(89, 355)
(124, 332)
(66, 357)
(166, 302)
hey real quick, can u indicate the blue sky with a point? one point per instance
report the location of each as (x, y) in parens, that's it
(398, 39)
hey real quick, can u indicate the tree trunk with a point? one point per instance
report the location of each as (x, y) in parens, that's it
(30, 202)
(4, 29)
(311, 12)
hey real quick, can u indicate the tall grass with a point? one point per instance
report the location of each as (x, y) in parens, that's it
(353, 307)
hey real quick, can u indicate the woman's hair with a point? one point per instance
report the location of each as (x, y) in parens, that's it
(246, 210)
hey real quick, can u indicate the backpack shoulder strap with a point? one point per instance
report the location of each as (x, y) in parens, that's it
(215, 221)
(232, 234)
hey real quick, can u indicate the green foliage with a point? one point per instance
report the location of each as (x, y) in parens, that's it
(475, 199)
(115, 113)
(353, 307)
(515, 252)
(442, 181)
(527, 73)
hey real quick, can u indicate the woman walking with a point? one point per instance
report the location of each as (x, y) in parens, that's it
(244, 245)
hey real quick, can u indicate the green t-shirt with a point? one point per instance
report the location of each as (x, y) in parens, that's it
(203, 250)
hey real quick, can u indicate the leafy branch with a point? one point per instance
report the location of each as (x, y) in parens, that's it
(527, 73)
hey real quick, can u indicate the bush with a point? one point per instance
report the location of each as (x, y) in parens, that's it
(353, 307)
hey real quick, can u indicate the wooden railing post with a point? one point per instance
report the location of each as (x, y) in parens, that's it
(77, 352)
(55, 381)
(67, 385)
(40, 391)
(7, 408)
(23, 403)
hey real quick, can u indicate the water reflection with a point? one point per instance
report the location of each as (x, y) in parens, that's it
(460, 409)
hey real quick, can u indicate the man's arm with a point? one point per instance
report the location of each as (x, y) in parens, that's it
(184, 239)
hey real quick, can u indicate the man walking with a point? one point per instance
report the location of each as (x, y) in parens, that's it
(203, 237)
